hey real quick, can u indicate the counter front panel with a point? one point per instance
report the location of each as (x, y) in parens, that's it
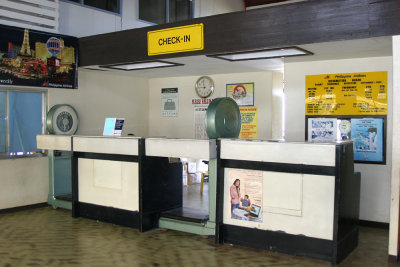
(106, 145)
(109, 183)
(181, 148)
(292, 153)
(290, 202)
(54, 142)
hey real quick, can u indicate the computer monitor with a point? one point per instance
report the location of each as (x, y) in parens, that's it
(255, 210)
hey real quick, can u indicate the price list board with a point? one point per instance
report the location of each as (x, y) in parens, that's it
(362, 93)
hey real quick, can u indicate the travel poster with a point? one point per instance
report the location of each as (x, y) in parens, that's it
(34, 58)
(245, 190)
(367, 134)
(242, 93)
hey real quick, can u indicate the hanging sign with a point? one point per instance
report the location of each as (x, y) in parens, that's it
(249, 123)
(176, 40)
(362, 93)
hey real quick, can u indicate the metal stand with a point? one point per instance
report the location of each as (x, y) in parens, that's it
(60, 185)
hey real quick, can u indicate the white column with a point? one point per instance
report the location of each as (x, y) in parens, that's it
(394, 200)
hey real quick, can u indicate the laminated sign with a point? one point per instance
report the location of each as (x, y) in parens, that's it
(175, 40)
(362, 93)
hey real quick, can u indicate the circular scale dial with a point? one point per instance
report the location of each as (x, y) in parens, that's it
(62, 119)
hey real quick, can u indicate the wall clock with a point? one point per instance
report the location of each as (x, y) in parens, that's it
(204, 86)
(62, 119)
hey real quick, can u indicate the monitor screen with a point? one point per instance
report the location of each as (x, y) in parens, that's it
(255, 209)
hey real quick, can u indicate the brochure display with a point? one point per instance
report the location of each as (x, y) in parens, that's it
(113, 126)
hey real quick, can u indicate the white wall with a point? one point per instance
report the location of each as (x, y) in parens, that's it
(79, 21)
(277, 105)
(394, 206)
(23, 182)
(102, 95)
(205, 8)
(183, 125)
(375, 179)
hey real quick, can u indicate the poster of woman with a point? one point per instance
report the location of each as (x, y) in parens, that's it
(245, 191)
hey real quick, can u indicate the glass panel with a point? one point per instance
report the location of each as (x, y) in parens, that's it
(109, 5)
(25, 121)
(179, 10)
(3, 125)
(152, 11)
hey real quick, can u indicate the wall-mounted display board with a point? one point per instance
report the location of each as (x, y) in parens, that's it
(363, 93)
(34, 58)
(242, 93)
(368, 134)
(349, 106)
(249, 125)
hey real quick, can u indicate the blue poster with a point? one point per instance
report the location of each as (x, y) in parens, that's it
(367, 135)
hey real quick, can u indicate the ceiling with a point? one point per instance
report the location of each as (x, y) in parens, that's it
(203, 65)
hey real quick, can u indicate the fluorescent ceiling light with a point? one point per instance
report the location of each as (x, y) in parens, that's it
(142, 65)
(263, 54)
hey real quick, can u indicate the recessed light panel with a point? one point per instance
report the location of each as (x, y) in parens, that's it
(264, 54)
(142, 65)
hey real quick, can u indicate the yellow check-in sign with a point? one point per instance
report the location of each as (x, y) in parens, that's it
(176, 40)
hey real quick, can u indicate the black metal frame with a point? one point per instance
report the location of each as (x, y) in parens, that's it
(347, 194)
(349, 117)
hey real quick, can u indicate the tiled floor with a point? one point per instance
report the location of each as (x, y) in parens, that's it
(48, 237)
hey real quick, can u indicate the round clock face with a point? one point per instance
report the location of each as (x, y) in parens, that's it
(64, 121)
(204, 87)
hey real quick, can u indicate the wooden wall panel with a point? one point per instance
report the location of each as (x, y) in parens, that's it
(299, 23)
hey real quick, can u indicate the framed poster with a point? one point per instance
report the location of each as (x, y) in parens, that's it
(169, 102)
(368, 137)
(322, 129)
(242, 93)
(35, 58)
